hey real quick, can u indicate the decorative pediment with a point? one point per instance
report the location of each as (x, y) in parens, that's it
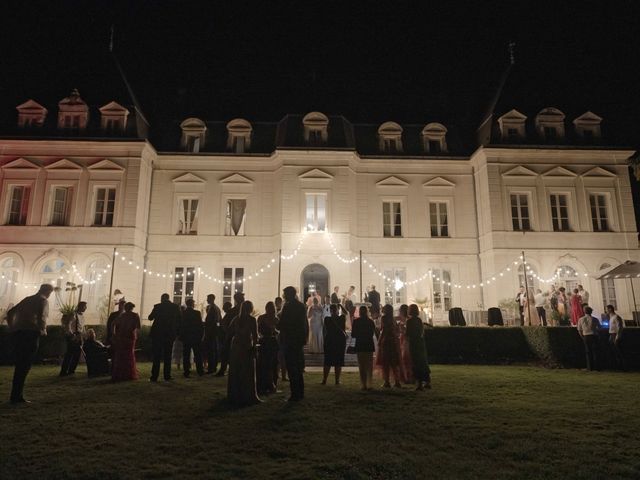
(588, 118)
(113, 109)
(315, 174)
(315, 119)
(32, 107)
(188, 178)
(520, 171)
(392, 181)
(236, 179)
(598, 172)
(438, 182)
(513, 116)
(21, 164)
(559, 172)
(64, 165)
(106, 165)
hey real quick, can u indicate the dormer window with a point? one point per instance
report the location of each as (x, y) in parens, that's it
(434, 138)
(512, 126)
(239, 136)
(31, 114)
(193, 134)
(390, 138)
(113, 118)
(550, 124)
(587, 126)
(315, 129)
(73, 113)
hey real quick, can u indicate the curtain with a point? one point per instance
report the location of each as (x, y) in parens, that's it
(182, 216)
(195, 205)
(238, 208)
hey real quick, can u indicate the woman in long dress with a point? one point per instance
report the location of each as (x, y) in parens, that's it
(125, 334)
(405, 356)
(315, 317)
(388, 357)
(267, 363)
(577, 312)
(243, 332)
(335, 343)
(417, 348)
(531, 316)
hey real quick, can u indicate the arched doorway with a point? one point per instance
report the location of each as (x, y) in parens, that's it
(314, 278)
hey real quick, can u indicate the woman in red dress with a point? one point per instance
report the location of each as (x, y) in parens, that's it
(388, 359)
(125, 333)
(405, 356)
(576, 307)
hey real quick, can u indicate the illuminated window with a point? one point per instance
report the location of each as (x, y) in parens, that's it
(188, 216)
(599, 217)
(18, 205)
(235, 218)
(520, 217)
(105, 207)
(559, 212)
(394, 286)
(232, 285)
(439, 219)
(184, 281)
(316, 208)
(441, 289)
(61, 207)
(608, 287)
(391, 219)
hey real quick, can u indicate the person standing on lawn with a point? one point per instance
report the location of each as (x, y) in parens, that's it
(73, 336)
(27, 323)
(229, 315)
(125, 334)
(191, 333)
(243, 337)
(418, 349)
(588, 331)
(616, 325)
(112, 317)
(166, 318)
(388, 358)
(335, 342)
(210, 341)
(294, 332)
(363, 330)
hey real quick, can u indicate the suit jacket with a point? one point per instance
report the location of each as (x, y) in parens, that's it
(334, 298)
(294, 327)
(30, 314)
(374, 298)
(212, 320)
(191, 328)
(166, 318)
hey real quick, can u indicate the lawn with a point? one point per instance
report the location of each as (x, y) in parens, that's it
(477, 422)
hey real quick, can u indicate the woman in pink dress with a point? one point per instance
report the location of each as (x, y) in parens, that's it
(576, 307)
(405, 356)
(388, 357)
(125, 333)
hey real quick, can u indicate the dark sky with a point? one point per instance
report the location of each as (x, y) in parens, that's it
(370, 61)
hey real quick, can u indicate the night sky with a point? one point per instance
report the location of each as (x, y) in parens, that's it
(370, 61)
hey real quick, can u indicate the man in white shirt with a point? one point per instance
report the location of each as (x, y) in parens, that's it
(540, 301)
(588, 330)
(616, 324)
(27, 322)
(584, 295)
(73, 336)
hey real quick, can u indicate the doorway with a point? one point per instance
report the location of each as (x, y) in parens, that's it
(314, 278)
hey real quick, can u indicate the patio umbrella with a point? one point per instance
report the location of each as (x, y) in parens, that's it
(628, 270)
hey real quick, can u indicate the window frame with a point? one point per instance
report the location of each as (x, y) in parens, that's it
(449, 212)
(403, 222)
(396, 293)
(530, 204)
(94, 203)
(228, 291)
(184, 281)
(568, 207)
(179, 208)
(71, 206)
(607, 207)
(316, 193)
(9, 187)
(225, 200)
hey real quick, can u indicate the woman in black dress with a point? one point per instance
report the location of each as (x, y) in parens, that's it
(335, 343)
(363, 330)
(267, 366)
(418, 349)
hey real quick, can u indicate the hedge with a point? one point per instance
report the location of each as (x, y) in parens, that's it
(548, 346)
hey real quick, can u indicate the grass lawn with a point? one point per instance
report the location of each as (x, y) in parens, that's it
(477, 422)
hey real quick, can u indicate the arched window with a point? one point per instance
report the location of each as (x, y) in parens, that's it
(532, 282)
(567, 278)
(8, 277)
(96, 291)
(608, 289)
(54, 272)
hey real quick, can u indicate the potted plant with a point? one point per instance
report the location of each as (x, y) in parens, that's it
(66, 308)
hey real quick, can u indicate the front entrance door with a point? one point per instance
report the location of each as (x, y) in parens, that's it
(314, 278)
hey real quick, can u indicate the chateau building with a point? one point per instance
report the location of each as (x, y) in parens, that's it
(433, 213)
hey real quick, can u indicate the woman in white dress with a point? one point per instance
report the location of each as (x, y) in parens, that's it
(315, 315)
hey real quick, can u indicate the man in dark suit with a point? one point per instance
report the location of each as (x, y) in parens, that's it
(112, 318)
(73, 335)
(294, 332)
(166, 318)
(335, 299)
(27, 322)
(229, 315)
(191, 332)
(374, 300)
(210, 341)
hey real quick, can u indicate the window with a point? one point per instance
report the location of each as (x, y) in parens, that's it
(567, 278)
(113, 125)
(532, 282)
(390, 137)
(520, 212)
(441, 290)
(316, 131)
(599, 219)
(390, 145)
(434, 137)
(61, 206)
(316, 217)
(96, 290)
(19, 205)
(71, 122)
(439, 219)
(238, 144)
(8, 277)
(394, 291)
(513, 133)
(559, 212)
(550, 133)
(608, 289)
(236, 211)
(239, 135)
(434, 146)
(233, 283)
(188, 216)
(193, 134)
(105, 206)
(193, 143)
(184, 279)
(315, 138)
(53, 272)
(391, 219)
